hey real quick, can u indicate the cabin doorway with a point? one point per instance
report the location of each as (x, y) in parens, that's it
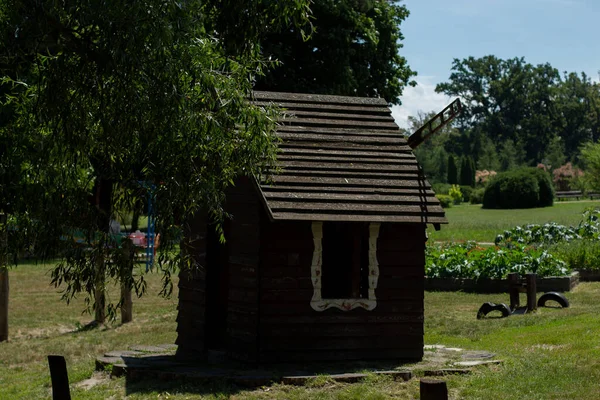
(217, 288)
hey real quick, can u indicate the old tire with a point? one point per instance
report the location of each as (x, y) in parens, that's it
(486, 308)
(553, 296)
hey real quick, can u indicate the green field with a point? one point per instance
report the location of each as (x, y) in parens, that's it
(471, 222)
(552, 354)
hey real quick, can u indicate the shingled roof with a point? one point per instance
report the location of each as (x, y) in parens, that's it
(344, 159)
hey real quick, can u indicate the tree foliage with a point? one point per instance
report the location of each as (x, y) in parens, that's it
(452, 170)
(516, 113)
(106, 101)
(355, 51)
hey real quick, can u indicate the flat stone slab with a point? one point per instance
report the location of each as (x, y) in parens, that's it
(123, 353)
(446, 371)
(433, 346)
(159, 362)
(477, 355)
(148, 349)
(476, 363)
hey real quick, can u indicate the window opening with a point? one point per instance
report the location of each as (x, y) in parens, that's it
(345, 265)
(344, 270)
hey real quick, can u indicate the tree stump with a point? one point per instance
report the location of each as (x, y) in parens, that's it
(433, 389)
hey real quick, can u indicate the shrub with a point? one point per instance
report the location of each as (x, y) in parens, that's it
(546, 186)
(456, 194)
(578, 254)
(476, 196)
(519, 188)
(445, 200)
(466, 191)
(481, 177)
(565, 176)
(470, 261)
(441, 188)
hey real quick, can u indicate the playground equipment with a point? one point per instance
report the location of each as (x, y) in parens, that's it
(516, 286)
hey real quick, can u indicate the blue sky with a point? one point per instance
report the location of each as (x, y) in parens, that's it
(564, 33)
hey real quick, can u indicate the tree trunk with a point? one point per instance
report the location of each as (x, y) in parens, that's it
(99, 295)
(104, 204)
(3, 281)
(3, 302)
(135, 220)
(126, 304)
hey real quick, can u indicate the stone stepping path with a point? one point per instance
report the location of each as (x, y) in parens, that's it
(158, 362)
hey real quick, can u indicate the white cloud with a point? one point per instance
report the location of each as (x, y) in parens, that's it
(419, 98)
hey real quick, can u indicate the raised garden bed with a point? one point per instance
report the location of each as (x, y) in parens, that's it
(589, 275)
(549, 284)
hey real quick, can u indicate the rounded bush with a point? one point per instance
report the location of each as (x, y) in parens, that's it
(445, 200)
(518, 188)
(477, 196)
(546, 186)
(466, 191)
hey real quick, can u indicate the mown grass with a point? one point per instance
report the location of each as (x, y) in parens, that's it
(41, 324)
(471, 222)
(551, 354)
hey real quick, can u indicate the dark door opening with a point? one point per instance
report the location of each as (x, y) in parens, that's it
(217, 289)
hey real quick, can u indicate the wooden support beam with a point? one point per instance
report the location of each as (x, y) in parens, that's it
(433, 389)
(59, 377)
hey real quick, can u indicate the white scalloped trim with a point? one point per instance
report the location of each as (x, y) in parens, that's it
(320, 304)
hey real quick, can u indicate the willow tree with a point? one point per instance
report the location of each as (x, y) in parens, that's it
(111, 96)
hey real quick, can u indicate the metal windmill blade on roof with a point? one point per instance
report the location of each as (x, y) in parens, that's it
(436, 123)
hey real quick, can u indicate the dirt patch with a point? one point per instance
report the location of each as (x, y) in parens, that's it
(96, 379)
(36, 333)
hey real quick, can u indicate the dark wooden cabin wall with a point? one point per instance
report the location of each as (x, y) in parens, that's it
(191, 308)
(244, 246)
(290, 330)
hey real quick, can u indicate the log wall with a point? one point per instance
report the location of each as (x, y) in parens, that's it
(291, 331)
(192, 288)
(243, 247)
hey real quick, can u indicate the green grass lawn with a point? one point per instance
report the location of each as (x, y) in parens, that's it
(551, 354)
(471, 222)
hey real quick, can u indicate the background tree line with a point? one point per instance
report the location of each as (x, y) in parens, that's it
(515, 114)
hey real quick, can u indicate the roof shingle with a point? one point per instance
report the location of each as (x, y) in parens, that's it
(344, 159)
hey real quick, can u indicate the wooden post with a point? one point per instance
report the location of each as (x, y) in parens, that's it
(433, 389)
(3, 281)
(59, 377)
(513, 290)
(530, 279)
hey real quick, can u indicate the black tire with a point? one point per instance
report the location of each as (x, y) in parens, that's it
(486, 308)
(553, 296)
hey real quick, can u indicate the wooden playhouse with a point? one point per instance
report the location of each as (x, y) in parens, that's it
(325, 260)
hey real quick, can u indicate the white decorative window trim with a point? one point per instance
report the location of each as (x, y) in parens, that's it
(320, 304)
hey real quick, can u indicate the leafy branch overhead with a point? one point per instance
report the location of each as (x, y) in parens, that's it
(355, 50)
(100, 98)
